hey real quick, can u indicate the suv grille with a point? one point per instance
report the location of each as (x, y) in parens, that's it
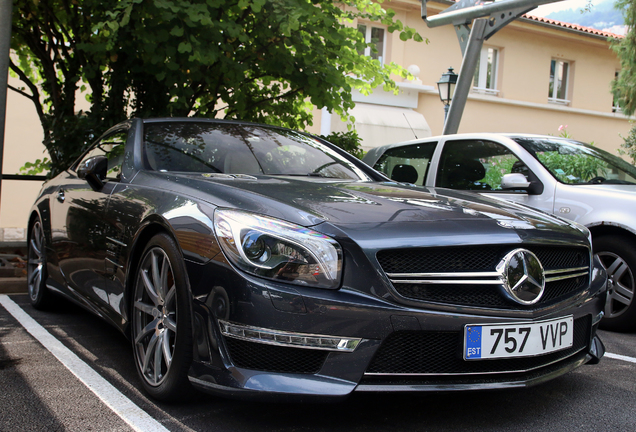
(400, 265)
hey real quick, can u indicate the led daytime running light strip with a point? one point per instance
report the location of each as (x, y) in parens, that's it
(296, 340)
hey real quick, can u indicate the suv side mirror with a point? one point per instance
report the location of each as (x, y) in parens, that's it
(515, 181)
(93, 170)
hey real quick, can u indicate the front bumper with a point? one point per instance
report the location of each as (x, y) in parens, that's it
(249, 366)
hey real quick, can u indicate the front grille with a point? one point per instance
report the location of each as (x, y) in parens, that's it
(475, 258)
(433, 353)
(480, 259)
(272, 358)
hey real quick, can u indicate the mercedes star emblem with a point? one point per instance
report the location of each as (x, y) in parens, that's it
(522, 276)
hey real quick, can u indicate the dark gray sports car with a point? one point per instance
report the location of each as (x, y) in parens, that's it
(253, 260)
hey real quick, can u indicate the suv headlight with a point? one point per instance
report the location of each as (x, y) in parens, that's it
(278, 250)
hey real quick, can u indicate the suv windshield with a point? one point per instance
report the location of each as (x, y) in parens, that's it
(231, 148)
(573, 162)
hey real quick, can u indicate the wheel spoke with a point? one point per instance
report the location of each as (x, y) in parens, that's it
(148, 355)
(156, 277)
(613, 299)
(150, 289)
(171, 295)
(146, 308)
(170, 324)
(166, 349)
(621, 290)
(36, 248)
(618, 271)
(34, 274)
(37, 236)
(158, 353)
(150, 328)
(165, 267)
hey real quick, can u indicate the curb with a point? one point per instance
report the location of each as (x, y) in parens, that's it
(13, 285)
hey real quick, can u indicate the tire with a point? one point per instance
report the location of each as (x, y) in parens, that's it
(36, 267)
(161, 321)
(618, 257)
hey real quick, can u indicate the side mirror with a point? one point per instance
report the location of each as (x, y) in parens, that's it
(515, 181)
(93, 170)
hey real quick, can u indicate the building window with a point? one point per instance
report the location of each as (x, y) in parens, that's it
(559, 73)
(616, 106)
(485, 80)
(375, 36)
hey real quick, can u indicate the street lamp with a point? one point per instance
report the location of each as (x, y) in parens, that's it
(446, 88)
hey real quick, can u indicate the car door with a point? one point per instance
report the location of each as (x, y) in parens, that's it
(77, 217)
(479, 165)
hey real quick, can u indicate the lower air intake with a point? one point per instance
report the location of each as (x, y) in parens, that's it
(271, 358)
(440, 353)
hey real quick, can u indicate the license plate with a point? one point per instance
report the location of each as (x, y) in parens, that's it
(522, 339)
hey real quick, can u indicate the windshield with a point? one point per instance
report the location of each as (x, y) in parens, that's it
(576, 163)
(241, 149)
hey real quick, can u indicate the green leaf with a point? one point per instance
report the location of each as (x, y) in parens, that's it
(177, 31)
(184, 47)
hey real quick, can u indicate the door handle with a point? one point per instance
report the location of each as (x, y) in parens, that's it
(60, 195)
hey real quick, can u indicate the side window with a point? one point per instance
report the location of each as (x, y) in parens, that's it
(407, 164)
(112, 147)
(485, 79)
(616, 100)
(476, 165)
(373, 35)
(559, 82)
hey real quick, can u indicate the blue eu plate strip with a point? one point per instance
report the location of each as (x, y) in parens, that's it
(473, 342)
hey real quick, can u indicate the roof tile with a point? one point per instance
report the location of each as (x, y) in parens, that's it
(572, 26)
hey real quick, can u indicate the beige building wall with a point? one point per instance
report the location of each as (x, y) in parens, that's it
(526, 49)
(22, 143)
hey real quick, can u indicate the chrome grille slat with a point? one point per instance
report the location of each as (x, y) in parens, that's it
(567, 276)
(560, 274)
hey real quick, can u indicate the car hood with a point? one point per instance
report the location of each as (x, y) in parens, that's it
(310, 201)
(616, 190)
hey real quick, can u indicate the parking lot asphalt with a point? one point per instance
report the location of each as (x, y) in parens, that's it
(40, 393)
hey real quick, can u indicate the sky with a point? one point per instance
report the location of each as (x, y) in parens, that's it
(544, 10)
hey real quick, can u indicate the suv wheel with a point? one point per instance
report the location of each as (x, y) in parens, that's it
(618, 257)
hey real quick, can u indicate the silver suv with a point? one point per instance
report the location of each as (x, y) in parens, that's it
(568, 178)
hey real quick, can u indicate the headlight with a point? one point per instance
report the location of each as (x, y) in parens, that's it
(278, 250)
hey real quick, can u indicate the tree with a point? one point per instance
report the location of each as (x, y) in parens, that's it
(268, 61)
(624, 87)
(348, 141)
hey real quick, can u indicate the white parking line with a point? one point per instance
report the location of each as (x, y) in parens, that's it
(620, 357)
(134, 416)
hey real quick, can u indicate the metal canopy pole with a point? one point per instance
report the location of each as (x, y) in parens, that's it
(466, 73)
(5, 46)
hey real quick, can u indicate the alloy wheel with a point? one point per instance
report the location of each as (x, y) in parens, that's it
(620, 288)
(36, 261)
(155, 316)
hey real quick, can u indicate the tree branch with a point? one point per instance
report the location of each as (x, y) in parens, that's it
(20, 92)
(35, 97)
